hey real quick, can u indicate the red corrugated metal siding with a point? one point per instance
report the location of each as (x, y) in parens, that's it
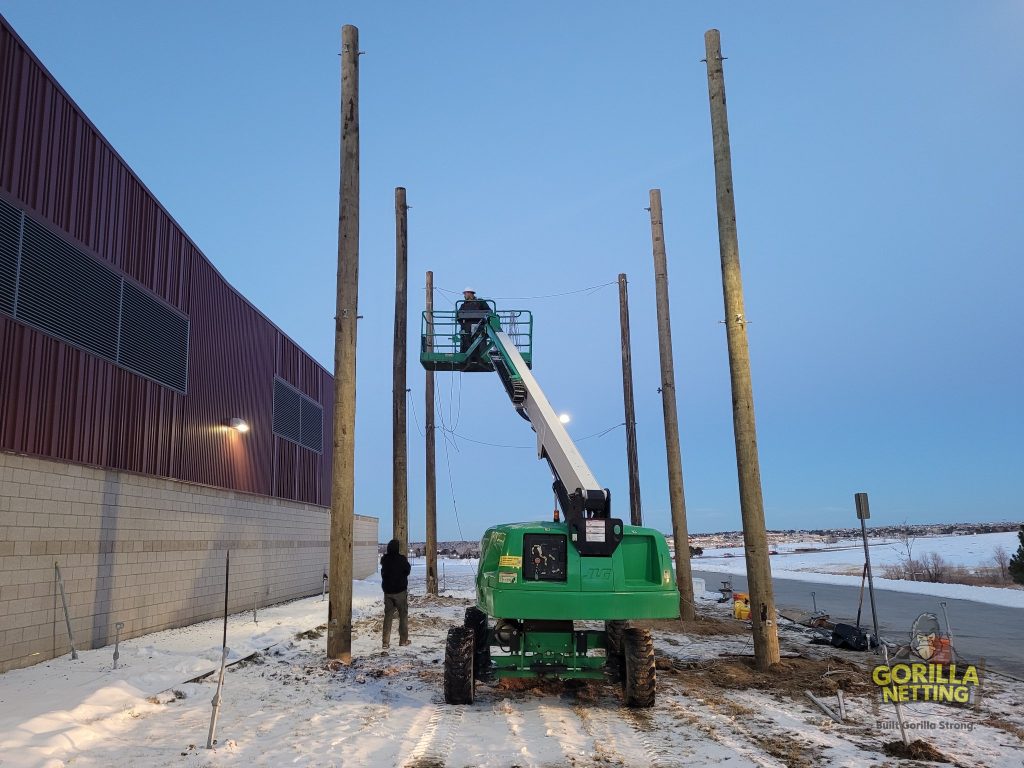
(60, 402)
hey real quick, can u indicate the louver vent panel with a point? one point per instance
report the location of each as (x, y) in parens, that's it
(297, 417)
(154, 339)
(51, 285)
(10, 234)
(65, 292)
(312, 425)
(287, 411)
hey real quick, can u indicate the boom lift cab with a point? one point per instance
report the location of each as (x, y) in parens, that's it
(536, 580)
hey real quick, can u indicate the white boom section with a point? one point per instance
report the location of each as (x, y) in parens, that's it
(552, 439)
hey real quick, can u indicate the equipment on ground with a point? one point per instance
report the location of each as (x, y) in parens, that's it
(537, 581)
(852, 638)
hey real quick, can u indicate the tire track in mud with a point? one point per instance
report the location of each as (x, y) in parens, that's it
(437, 738)
(550, 722)
(720, 727)
(616, 742)
(778, 742)
(513, 717)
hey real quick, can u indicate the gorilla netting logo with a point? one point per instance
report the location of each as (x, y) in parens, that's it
(930, 672)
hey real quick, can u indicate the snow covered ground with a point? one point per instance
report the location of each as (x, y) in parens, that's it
(289, 706)
(841, 563)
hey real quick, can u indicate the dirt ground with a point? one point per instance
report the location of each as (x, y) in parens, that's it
(791, 676)
(702, 626)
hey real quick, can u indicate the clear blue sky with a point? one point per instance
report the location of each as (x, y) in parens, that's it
(878, 161)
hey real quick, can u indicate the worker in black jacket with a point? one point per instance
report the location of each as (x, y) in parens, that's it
(394, 580)
(470, 304)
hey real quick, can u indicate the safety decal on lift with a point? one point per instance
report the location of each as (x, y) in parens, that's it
(510, 561)
(595, 530)
(507, 577)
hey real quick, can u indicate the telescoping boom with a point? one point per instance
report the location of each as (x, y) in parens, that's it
(585, 504)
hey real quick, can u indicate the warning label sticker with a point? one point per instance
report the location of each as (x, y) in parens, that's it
(510, 561)
(595, 530)
(507, 577)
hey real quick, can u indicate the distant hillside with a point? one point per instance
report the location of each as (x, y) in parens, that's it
(467, 549)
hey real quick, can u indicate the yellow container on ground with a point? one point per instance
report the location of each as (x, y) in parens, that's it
(741, 606)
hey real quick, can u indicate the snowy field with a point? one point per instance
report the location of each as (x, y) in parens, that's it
(287, 706)
(841, 563)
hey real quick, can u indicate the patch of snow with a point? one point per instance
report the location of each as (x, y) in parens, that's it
(289, 706)
(820, 565)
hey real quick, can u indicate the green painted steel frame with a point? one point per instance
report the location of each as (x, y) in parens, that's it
(595, 588)
(441, 347)
(556, 655)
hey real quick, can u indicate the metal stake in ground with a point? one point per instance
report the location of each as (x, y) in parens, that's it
(676, 496)
(949, 629)
(64, 602)
(755, 539)
(896, 699)
(863, 513)
(223, 658)
(632, 464)
(339, 621)
(860, 597)
(117, 641)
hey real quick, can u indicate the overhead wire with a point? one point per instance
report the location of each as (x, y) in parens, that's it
(448, 427)
(458, 411)
(451, 487)
(415, 418)
(439, 408)
(601, 433)
(422, 431)
(588, 290)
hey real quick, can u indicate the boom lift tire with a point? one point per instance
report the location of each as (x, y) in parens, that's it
(459, 682)
(615, 630)
(639, 682)
(477, 621)
(616, 661)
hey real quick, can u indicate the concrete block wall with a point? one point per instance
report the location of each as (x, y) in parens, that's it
(364, 546)
(145, 551)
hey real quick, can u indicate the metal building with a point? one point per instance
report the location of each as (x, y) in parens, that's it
(129, 369)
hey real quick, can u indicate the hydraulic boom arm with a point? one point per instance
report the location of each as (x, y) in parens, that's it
(585, 504)
(482, 344)
(579, 493)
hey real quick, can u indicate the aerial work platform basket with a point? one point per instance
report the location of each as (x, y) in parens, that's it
(457, 340)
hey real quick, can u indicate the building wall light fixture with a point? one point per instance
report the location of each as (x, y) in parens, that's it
(239, 425)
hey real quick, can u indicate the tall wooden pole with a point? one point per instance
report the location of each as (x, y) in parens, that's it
(755, 540)
(632, 465)
(428, 427)
(399, 450)
(677, 499)
(339, 623)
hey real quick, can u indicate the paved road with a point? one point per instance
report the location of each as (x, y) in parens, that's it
(980, 630)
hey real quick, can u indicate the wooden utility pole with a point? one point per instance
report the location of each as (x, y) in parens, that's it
(677, 499)
(428, 428)
(635, 513)
(399, 450)
(339, 622)
(755, 540)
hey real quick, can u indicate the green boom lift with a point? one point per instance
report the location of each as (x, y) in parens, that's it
(536, 580)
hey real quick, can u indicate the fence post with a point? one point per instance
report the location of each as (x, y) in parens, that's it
(64, 602)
